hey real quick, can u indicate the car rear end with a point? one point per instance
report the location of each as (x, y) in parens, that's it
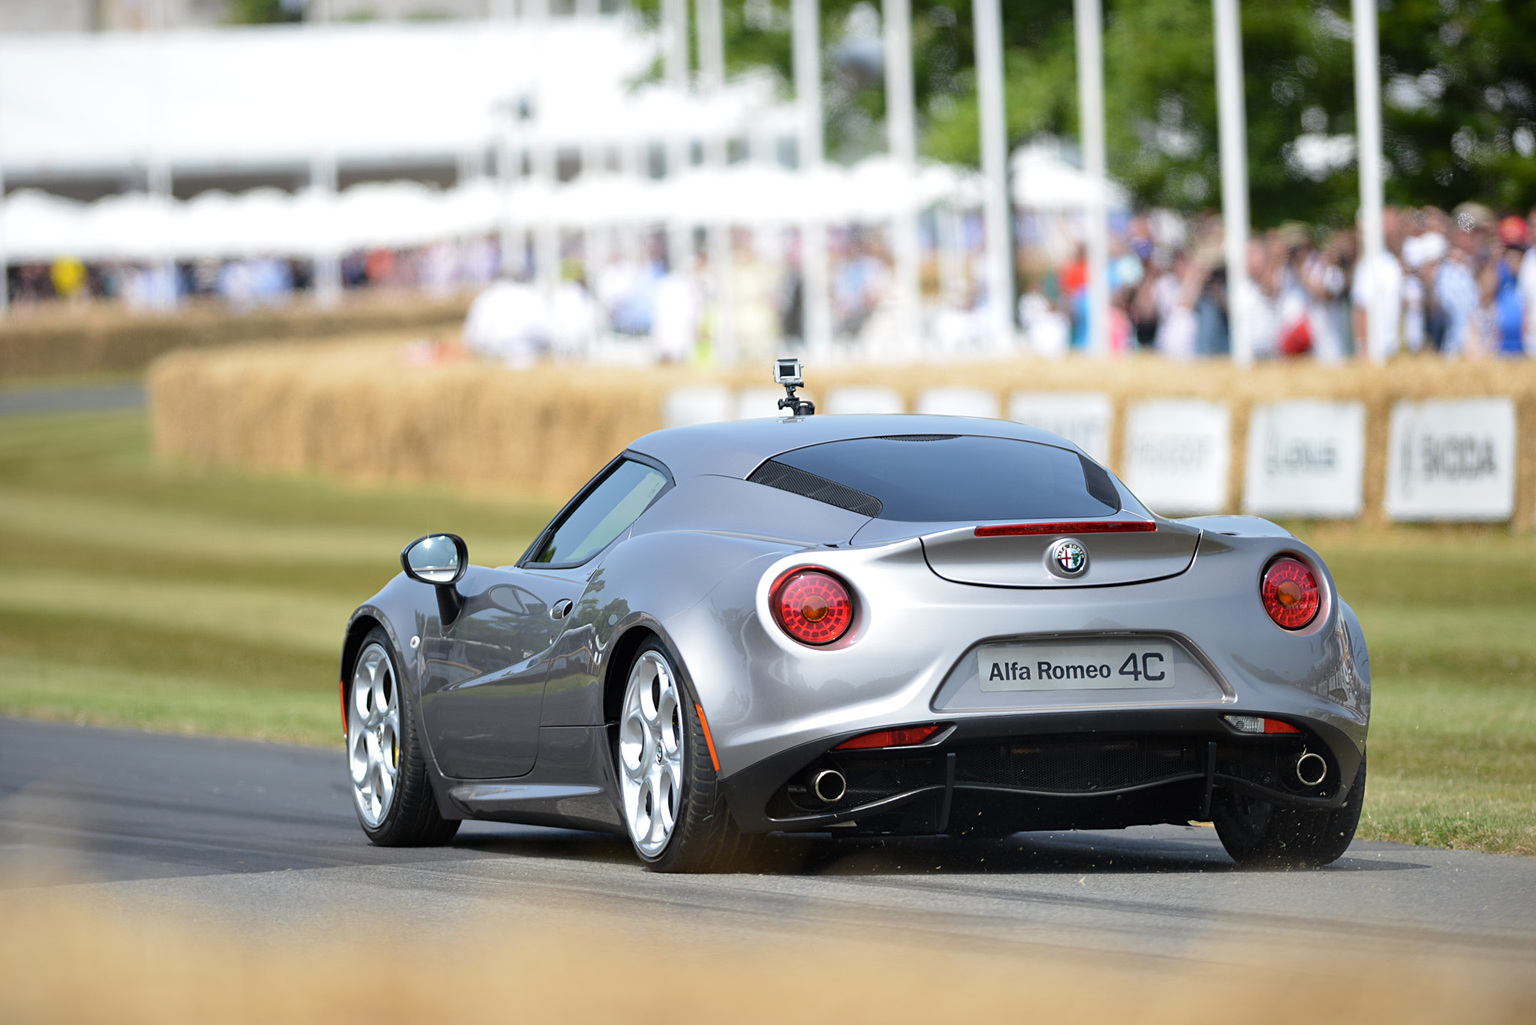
(1085, 664)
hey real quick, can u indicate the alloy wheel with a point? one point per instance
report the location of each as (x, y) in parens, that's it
(651, 753)
(373, 733)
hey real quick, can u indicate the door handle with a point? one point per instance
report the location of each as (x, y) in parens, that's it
(560, 609)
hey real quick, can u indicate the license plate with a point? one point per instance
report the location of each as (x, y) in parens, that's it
(1083, 665)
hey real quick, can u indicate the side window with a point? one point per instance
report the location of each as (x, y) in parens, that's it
(603, 515)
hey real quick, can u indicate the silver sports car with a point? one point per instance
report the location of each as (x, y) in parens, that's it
(857, 625)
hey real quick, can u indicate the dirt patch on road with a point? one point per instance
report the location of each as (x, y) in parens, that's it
(71, 960)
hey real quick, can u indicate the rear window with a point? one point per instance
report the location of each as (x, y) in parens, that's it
(939, 477)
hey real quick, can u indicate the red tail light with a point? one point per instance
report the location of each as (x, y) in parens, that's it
(1069, 527)
(812, 605)
(1290, 593)
(907, 736)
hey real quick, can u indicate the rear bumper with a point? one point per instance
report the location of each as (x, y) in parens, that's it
(1042, 771)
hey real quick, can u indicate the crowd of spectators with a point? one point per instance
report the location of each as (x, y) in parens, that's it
(1460, 283)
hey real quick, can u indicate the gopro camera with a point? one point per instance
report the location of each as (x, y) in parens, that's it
(788, 372)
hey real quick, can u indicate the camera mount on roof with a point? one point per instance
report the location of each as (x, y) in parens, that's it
(790, 374)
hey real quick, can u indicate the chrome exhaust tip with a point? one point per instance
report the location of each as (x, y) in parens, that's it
(829, 785)
(1311, 769)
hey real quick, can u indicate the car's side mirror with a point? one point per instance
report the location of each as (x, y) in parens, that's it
(439, 560)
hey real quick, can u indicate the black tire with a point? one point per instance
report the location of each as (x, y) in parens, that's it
(703, 837)
(1259, 834)
(412, 818)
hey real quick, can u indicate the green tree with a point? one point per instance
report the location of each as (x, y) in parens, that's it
(1459, 78)
(265, 12)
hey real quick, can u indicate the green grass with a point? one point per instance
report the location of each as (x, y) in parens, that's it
(136, 594)
(143, 595)
(1450, 619)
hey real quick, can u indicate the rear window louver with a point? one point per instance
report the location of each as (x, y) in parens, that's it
(809, 485)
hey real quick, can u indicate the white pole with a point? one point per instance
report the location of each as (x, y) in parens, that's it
(711, 82)
(327, 269)
(1234, 176)
(901, 131)
(632, 156)
(815, 276)
(5, 287)
(508, 169)
(596, 245)
(1368, 145)
(674, 41)
(997, 210)
(157, 170)
(674, 15)
(1090, 94)
(546, 240)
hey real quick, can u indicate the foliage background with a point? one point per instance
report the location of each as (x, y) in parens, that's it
(1459, 91)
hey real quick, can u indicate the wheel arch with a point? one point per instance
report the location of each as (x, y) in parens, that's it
(621, 655)
(362, 624)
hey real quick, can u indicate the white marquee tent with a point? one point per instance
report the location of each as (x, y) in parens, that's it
(138, 226)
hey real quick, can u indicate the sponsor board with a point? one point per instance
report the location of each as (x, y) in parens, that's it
(958, 402)
(1083, 418)
(1177, 454)
(752, 403)
(684, 407)
(1452, 459)
(861, 399)
(1305, 458)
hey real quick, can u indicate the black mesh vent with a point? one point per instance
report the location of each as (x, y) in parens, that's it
(802, 482)
(918, 437)
(1078, 766)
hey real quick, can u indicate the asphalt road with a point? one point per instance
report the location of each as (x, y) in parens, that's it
(265, 835)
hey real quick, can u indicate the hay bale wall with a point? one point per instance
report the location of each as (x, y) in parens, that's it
(94, 341)
(360, 412)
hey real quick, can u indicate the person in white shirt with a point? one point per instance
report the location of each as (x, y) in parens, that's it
(1381, 280)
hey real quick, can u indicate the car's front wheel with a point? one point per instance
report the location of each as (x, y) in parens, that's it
(1262, 834)
(390, 789)
(673, 806)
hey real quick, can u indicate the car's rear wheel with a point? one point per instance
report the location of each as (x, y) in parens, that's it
(673, 805)
(390, 789)
(1262, 834)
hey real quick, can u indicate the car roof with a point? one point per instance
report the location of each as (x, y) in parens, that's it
(734, 448)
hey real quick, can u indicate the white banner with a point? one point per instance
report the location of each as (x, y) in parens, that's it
(958, 402)
(1177, 454)
(1083, 418)
(1305, 458)
(1452, 460)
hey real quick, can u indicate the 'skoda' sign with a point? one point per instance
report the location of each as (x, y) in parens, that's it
(1452, 460)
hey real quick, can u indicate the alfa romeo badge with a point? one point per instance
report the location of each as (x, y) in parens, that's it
(1070, 556)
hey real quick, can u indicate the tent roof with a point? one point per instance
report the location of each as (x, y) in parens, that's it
(245, 98)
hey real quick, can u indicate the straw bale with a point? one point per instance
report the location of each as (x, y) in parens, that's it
(38, 343)
(359, 411)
